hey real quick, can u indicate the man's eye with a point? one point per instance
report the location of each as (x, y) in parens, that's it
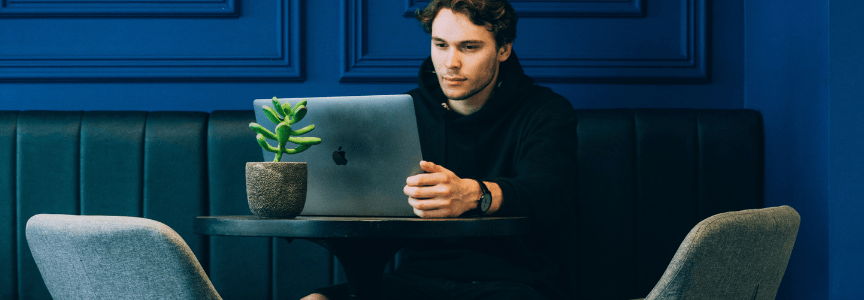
(470, 47)
(440, 45)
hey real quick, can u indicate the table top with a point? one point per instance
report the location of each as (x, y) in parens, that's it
(361, 227)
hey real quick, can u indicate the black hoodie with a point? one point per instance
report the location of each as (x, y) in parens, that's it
(523, 139)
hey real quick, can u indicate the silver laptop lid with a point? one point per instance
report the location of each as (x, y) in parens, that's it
(376, 135)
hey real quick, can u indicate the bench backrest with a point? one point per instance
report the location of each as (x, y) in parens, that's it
(645, 177)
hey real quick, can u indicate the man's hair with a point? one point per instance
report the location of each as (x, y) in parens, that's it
(498, 16)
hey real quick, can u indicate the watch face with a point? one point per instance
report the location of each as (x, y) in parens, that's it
(485, 202)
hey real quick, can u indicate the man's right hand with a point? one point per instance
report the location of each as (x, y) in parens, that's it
(440, 193)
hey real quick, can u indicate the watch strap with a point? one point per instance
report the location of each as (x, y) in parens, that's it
(484, 193)
(477, 211)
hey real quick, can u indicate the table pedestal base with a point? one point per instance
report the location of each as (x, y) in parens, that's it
(364, 245)
(364, 261)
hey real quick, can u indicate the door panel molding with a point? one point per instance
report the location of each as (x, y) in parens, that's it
(279, 59)
(688, 62)
(118, 8)
(561, 8)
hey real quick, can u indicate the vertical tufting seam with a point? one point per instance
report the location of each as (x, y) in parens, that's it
(78, 167)
(273, 268)
(80, 204)
(636, 193)
(761, 136)
(210, 134)
(698, 165)
(17, 185)
(141, 182)
(209, 206)
(14, 223)
(81, 164)
(699, 168)
(205, 190)
(144, 167)
(575, 211)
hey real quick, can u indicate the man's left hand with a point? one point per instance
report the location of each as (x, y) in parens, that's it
(440, 193)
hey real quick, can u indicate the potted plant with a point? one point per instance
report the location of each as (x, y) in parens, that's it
(278, 189)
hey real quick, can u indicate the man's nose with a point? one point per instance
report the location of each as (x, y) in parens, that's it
(453, 60)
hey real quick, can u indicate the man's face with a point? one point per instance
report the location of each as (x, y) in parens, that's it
(465, 56)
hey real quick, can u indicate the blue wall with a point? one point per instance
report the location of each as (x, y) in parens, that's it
(769, 55)
(845, 227)
(804, 72)
(786, 78)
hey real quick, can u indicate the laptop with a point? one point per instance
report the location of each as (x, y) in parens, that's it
(369, 146)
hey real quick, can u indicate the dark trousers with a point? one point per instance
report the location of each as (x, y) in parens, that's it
(399, 286)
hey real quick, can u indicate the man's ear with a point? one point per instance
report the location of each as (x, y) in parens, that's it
(504, 52)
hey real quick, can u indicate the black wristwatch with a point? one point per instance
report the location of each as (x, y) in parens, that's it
(484, 203)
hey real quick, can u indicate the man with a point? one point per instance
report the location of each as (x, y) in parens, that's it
(494, 144)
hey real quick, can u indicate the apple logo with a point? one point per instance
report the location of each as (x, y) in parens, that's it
(339, 157)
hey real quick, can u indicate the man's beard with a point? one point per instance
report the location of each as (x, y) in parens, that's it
(470, 92)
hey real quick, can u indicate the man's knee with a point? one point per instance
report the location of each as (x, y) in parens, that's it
(503, 290)
(315, 296)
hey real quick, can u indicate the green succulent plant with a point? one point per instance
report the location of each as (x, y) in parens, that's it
(284, 116)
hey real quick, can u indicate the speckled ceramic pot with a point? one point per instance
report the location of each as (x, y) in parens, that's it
(276, 190)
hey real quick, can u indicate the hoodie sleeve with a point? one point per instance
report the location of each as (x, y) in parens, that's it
(544, 164)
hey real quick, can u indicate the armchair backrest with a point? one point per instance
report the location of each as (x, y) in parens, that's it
(109, 257)
(732, 255)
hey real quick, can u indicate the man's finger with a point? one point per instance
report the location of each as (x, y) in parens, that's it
(428, 204)
(426, 214)
(426, 179)
(432, 167)
(424, 192)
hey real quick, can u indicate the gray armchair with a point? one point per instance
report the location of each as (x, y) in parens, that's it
(107, 257)
(732, 255)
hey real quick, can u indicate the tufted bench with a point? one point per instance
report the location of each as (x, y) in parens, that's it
(645, 178)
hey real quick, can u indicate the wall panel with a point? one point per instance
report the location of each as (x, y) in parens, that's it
(667, 44)
(562, 8)
(114, 8)
(261, 43)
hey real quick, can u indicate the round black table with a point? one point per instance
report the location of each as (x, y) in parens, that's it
(363, 245)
